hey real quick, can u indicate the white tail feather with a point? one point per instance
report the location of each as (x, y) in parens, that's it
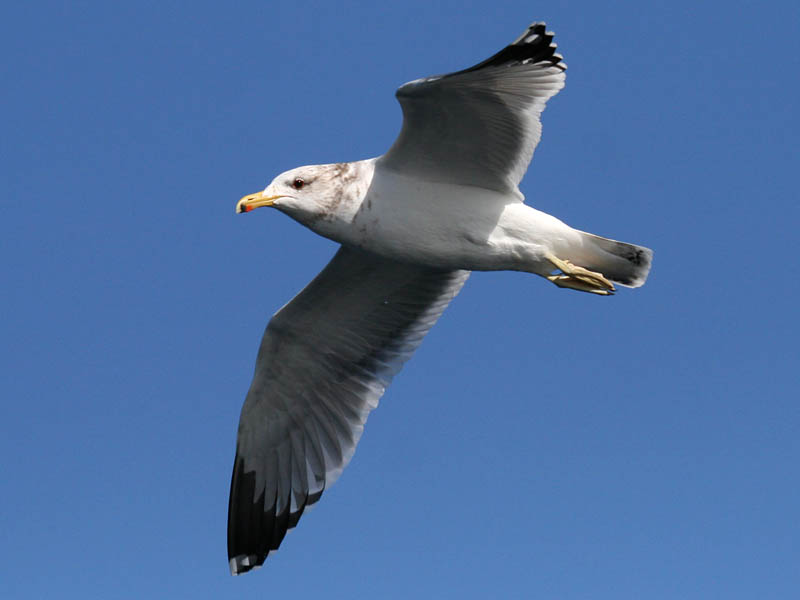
(625, 264)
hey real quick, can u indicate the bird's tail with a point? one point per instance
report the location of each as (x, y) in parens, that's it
(625, 264)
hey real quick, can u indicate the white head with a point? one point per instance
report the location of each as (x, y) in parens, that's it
(312, 193)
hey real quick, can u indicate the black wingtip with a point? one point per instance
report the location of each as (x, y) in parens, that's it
(534, 46)
(247, 521)
(255, 528)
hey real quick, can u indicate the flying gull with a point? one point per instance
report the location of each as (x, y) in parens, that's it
(412, 224)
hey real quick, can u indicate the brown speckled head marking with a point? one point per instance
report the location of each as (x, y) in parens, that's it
(343, 187)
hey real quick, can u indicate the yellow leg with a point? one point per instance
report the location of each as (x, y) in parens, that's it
(578, 278)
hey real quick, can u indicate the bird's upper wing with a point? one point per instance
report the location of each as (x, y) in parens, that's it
(325, 360)
(479, 126)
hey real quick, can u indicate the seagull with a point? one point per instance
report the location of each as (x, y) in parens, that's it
(412, 224)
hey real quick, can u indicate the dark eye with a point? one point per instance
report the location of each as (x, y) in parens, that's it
(298, 183)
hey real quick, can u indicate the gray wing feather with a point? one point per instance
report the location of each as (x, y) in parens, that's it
(479, 126)
(324, 362)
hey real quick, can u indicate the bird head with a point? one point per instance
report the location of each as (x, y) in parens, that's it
(307, 194)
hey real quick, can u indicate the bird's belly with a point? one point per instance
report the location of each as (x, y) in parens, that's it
(452, 227)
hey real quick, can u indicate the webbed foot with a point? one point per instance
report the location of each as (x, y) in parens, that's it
(578, 278)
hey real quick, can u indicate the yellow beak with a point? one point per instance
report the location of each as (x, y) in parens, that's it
(253, 201)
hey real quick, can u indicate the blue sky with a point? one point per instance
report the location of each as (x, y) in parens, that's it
(541, 444)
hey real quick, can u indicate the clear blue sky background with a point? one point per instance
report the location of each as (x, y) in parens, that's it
(541, 444)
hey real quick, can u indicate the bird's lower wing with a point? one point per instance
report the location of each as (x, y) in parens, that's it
(324, 362)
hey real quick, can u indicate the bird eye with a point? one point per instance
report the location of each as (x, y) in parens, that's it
(298, 183)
